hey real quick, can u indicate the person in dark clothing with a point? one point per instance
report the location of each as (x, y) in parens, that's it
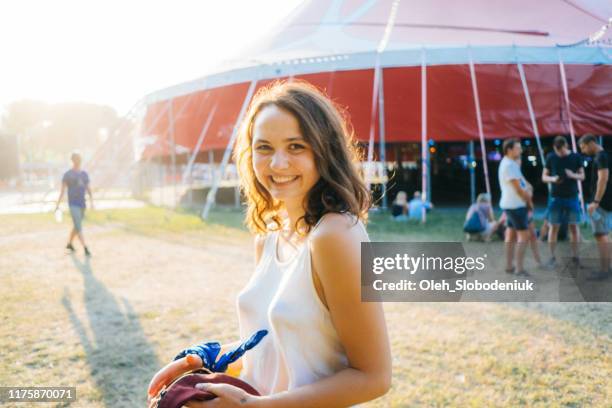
(399, 207)
(563, 170)
(600, 207)
(76, 181)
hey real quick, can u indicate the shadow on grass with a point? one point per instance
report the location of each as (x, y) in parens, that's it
(121, 360)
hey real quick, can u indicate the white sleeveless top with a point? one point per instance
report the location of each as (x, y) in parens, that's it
(302, 345)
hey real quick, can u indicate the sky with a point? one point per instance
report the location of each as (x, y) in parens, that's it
(114, 52)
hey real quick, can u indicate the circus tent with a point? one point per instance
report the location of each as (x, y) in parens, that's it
(412, 71)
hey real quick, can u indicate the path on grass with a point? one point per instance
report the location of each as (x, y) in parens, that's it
(105, 325)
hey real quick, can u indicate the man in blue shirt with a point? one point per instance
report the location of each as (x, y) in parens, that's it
(77, 183)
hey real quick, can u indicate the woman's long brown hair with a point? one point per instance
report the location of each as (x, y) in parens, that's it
(341, 187)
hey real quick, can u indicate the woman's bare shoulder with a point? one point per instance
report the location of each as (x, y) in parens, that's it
(344, 227)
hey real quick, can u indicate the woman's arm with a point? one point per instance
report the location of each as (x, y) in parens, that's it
(361, 327)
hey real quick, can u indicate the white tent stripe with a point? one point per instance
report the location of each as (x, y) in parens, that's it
(479, 121)
(375, 86)
(424, 163)
(210, 198)
(382, 145)
(382, 45)
(569, 119)
(534, 124)
(196, 149)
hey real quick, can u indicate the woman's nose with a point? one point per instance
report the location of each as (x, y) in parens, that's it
(279, 161)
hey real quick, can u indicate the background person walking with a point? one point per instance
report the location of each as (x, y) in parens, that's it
(76, 181)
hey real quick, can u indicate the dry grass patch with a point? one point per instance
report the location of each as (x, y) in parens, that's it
(105, 326)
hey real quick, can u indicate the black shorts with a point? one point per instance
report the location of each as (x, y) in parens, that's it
(517, 219)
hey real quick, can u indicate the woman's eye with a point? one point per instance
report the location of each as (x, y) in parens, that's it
(262, 148)
(296, 146)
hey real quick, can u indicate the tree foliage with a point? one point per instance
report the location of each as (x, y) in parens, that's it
(48, 131)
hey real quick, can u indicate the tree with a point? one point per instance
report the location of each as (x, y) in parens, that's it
(49, 132)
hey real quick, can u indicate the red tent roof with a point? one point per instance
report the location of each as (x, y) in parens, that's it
(336, 44)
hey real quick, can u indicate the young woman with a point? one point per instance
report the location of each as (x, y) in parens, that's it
(306, 205)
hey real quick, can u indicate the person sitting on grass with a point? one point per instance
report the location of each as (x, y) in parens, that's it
(480, 222)
(417, 205)
(306, 206)
(399, 208)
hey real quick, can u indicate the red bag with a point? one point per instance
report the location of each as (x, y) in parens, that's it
(183, 389)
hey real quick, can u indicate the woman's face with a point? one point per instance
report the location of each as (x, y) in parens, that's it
(282, 160)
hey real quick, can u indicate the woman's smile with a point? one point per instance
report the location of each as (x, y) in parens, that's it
(283, 181)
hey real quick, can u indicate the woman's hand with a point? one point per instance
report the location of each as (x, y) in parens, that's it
(228, 396)
(170, 372)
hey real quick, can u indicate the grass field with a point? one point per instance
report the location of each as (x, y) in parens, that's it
(160, 280)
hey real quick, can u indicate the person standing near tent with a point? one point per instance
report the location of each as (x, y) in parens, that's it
(76, 181)
(516, 203)
(564, 169)
(600, 207)
(306, 206)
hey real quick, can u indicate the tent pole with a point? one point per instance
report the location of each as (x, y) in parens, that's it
(236, 197)
(382, 45)
(375, 89)
(479, 120)
(571, 124)
(189, 169)
(211, 166)
(428, 191)
(471, 159)
(210, 198)
(382, 152)
(424, 155)
(534, 124)
(162, 193)
(132, 112)
(173, 147)
(196, 149)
